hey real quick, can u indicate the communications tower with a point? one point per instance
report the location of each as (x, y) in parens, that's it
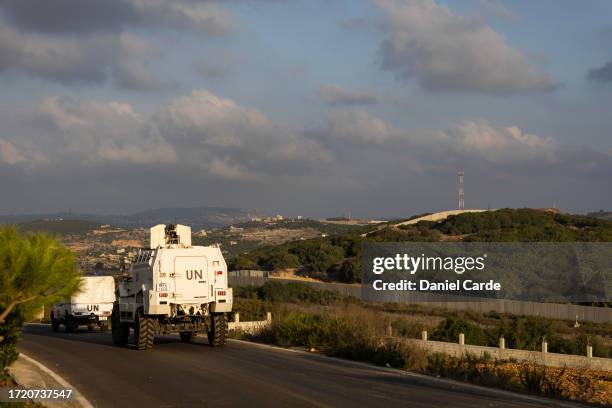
(461, 194)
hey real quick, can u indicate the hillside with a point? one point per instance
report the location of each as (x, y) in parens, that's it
(247, 236)
(196, 217)
(606, 215)
(337, 257)
(60, 227)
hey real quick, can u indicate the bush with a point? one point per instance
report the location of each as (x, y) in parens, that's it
(520, 332)
(300, 329)
(526, 225)
(542, 380)
(34, 270)
(473, 369)
(406, 328)
(242, 263)
(599, 348)
(278, 292)
(348, 335)
(251, 309)
(356, 334)
(10, 333)
(319, 256)
(449, 329)
(350, 271)
(279, 260)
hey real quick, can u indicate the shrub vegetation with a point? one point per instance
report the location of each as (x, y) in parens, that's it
(35, 269)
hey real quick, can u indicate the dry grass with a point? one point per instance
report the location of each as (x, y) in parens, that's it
(355, 333)
(575, 384)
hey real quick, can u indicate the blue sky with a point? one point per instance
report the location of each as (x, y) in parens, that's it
(305, 107)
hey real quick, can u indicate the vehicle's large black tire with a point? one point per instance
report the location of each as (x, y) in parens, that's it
(70, 324)
(143, 331)
(55, 324)
(186, 337)
(218, 329)
(121, 331)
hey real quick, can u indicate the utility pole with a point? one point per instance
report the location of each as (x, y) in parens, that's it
(461, 193)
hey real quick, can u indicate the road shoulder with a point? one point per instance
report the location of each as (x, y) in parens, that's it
(30, 374)
(449, 383)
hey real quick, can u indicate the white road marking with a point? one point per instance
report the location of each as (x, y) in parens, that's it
(81, 400)
(396, 371)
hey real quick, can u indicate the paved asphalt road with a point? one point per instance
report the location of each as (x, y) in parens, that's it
(174, 374)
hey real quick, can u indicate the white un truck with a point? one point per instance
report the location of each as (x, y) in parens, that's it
(91, 306)
(173, 287)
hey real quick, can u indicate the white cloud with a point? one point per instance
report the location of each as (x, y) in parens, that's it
(219, 131)
(9, 153)
(468, 143)
(216, 136)
(96, 46)
(508, 145)
(24, 156)
(70, 60)
(498, 10)
(228, 170)
(338, 95)
(444, 51)
(94, 132)
(200, 131)
(359, 127)
(112, 15)
(208, 17)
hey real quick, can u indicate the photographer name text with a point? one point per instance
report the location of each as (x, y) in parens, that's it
(445, 286)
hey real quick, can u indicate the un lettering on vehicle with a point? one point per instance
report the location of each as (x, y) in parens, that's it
(194, 274)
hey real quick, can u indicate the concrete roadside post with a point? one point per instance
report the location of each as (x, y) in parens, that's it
(589, 355)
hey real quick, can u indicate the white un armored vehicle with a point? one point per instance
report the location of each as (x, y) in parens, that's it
(173, 287)
(91, 306)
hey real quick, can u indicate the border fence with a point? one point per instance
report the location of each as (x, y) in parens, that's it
(543, 357)
(563, 311)
(247, 278)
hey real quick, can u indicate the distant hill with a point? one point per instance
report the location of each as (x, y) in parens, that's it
(606, 215)
(337, 257)
(58, 226)
(196, 217)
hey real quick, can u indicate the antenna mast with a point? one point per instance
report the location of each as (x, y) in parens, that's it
(461, 193)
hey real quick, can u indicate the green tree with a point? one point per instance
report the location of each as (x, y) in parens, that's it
(321, 256)
(449, 329)
(34, 270)
(242, 262)
(350, 271)
(281, 259)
